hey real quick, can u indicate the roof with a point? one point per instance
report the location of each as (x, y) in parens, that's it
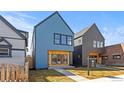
(13, 28)
(50, 17)
(85, 30)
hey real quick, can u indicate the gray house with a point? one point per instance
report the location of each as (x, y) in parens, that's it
(52, 43)
(88, 43)
(13, 43)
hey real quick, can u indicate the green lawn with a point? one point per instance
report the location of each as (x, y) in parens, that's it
(47, 76)
(95, 72)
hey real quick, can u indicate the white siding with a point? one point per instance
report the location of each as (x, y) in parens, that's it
(78, 41)
(3, 43)
(16, 43)
(18, 57)
(6, 31)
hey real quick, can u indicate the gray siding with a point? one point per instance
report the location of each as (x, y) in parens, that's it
(88, 38)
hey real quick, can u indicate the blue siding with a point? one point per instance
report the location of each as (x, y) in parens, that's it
(45, 39)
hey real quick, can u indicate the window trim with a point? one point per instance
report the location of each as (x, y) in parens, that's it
(61, 39)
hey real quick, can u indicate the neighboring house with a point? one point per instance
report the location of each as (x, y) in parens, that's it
(113, 55)
(52, 43)
(13, 43)
(88, 43)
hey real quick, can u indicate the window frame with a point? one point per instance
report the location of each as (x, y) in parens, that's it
(94, 44)
(69, 40)
(57, 39)
(104, 57)
(116, 56)
(60, 43)
(9, 51)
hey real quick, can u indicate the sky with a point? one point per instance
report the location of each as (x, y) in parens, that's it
(110, 24)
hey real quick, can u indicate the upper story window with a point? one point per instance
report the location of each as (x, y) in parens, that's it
(57, 38)
(61, 39)
(98, 44)
(94, 44)
(4, 52)
(101, 44)
(69, 40)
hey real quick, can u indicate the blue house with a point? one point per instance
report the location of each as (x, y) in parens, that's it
(52, 43)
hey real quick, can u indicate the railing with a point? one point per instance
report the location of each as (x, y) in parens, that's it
(14, 73)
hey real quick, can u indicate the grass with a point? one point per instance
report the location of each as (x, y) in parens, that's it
(47, 76)
(95, 72)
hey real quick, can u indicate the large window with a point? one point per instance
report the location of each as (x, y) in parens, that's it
(61, 39)
(4, 52)
(59, 59)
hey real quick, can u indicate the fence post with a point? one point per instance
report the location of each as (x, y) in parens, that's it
(7, 72)
(22, 74)
(17, 73)
(13, 73)
(2, 72)
(26, 70)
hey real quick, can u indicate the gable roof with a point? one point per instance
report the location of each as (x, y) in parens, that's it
(50, 17)
(12, 27)
(85, 30)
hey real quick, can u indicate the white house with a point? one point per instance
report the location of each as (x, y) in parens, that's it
(13, 43)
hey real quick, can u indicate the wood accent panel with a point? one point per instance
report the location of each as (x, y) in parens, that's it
(57, 52)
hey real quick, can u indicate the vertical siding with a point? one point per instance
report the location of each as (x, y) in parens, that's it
(45, 39)
(88, 37)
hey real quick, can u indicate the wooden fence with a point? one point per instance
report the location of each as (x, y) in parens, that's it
(14, 73)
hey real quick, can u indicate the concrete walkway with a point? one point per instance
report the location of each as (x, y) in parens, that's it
(71, 75)
(110, 78)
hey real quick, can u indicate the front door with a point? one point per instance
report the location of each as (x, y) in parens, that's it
(95, 55)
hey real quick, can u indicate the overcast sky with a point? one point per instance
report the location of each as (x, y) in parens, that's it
(110, 24)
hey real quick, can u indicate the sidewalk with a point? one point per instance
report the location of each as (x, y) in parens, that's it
(71, 75)
(110, 78)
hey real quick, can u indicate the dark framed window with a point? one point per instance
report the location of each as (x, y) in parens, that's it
(5, 52)
(69, 40)
(63, 39)
(116, 56)
(60, 39)
(57, 38)
(105, 57)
